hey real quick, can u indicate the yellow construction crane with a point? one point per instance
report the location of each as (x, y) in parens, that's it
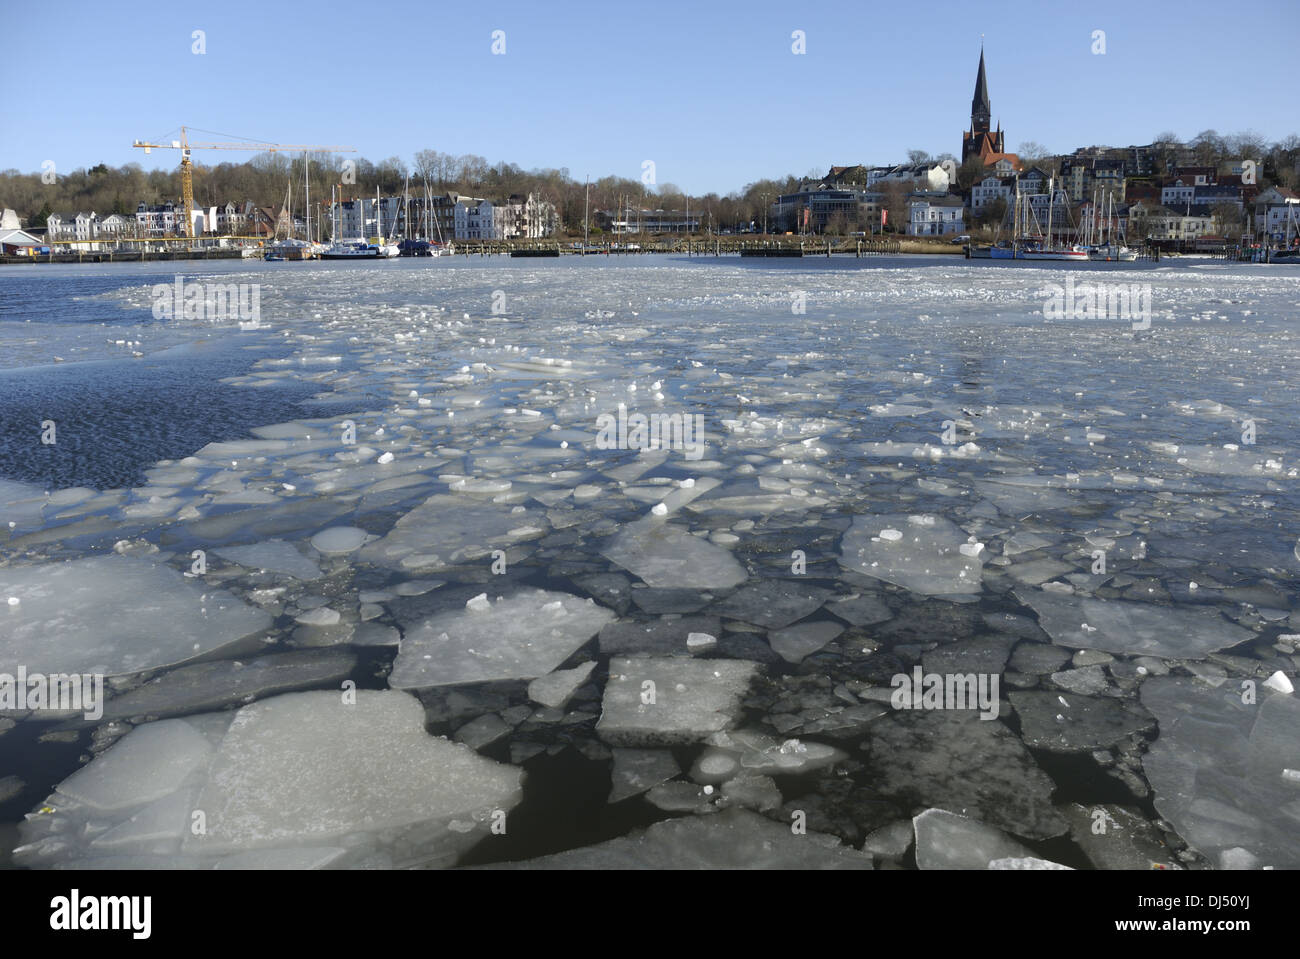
(187, 173)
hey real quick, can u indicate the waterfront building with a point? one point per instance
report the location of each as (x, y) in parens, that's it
(72, 226)
(15, 242)
(119, 225)
(821, 208)
(931, 214)
(158, 219)
(1277, 215)
(648, 221)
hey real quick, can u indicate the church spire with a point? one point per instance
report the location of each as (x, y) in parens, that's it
(981, 111)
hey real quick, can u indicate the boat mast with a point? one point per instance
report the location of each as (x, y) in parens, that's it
(1051, 197)
(306, 176)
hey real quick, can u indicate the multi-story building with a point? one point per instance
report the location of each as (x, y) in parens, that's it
(119, 225)
(540, 217)
(989, 191)
(474, 220)
(1161, 223)
(159, 219)
(230, 219)
(648, 221)
(1212, 196)
(72, 226)
(935, 214)
(1081, 177)
(1277, 215)
(444, 217)
(821, 208)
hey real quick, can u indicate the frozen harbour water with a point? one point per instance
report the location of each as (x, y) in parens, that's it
(700, 645)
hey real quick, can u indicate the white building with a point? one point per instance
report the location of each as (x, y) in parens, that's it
(933, 179)
(72, 226)
(988, 191)
(20, 243)
(1277, 215)
(1179, 193)
(1164, 223)
(475, 220)
(230, 219)
(935, 214)
(118, 225)
(540, 217)
(648, 221)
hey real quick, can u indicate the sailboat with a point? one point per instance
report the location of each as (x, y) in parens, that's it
(1011, 252)
(291, 248)
(1046, 250)
(1110, 251)
(1288, 253)
(385, 245)
(358, 248)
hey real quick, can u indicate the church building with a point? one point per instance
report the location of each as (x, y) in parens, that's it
(980, 140)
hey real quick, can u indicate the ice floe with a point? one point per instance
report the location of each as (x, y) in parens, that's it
(304, 779)
(521, 636)
(114, 615)
(1219, 770)
(665, 702)
(924, 556)
(1132, 628)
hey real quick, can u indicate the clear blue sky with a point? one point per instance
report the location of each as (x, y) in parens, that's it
(710, 91)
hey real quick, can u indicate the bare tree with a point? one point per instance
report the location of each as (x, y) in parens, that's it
(1031, 151)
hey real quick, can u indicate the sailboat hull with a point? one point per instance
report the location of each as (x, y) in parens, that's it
(1074, 255)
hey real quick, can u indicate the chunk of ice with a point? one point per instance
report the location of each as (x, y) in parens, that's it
(945, 840)
(732, 839)
(636, 770)
(1131, 628)
(794, 643)
(1217, 769)
(339, 540)
(522, 636)
(668, 556)
(114, 615)
(274, 555)
(926, 559)
(557, 688)
(665, 702)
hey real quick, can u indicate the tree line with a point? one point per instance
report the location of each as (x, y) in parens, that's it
(272, 179)
(276, 179)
